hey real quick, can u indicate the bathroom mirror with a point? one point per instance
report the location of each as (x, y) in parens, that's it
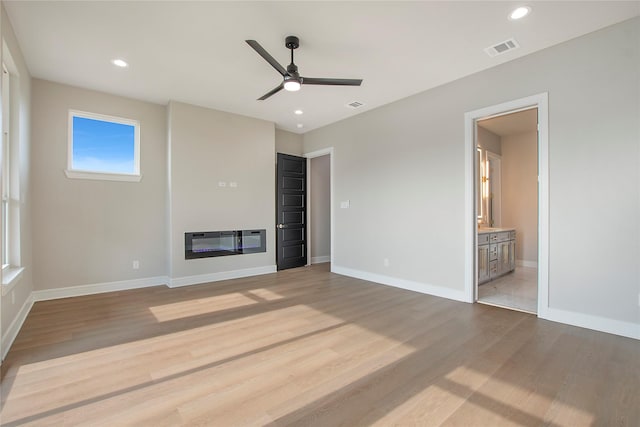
(481, 188)
(488, 188)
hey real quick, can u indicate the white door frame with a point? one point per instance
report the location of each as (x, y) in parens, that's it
(309, 156)
(541, 101)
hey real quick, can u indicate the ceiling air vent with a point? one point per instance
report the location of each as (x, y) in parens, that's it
(355, 104)
(502, 47)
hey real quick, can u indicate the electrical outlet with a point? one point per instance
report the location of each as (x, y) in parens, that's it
(136, 264)
(386, 262)
(222, 183)
(233, 184)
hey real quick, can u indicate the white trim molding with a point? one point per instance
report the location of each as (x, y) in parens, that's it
(12, 331)
(98, 288)
(71, 172)
(596, 323)
(541, 102)
(10, 277)
(103, 176)
(320, 259)
(222, 275)
(423, 288)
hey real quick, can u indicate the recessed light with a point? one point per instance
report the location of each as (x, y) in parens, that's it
(299, 125)
(120, 63)
(519, 12)
(298, 112)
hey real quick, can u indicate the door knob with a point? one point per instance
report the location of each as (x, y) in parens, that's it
(280, 226)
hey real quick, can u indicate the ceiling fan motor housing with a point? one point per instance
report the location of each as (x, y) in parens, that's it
(292, 69)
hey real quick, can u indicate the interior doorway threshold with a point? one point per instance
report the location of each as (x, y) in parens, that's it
(507, 307)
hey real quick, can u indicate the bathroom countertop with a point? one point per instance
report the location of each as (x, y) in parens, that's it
(485, 230)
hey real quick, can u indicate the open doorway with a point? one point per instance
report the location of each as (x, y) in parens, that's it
(320, 206)
(507, 233)
(509, 251)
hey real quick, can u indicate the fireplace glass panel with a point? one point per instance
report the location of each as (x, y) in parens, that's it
(221, 243)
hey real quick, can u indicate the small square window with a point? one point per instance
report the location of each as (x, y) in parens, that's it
(103, 147)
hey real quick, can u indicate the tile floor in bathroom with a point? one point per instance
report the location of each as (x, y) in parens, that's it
(518, 289)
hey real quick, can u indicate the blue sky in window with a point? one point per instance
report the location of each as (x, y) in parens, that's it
(100, 146)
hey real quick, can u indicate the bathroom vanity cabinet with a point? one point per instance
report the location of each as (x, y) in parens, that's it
(496, 252)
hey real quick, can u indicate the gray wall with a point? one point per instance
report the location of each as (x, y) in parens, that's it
(21, 127)
(207, 147)
(489, 141)
(320, 206)
(403, 164)
(288, 143)
(520, 191)
(88, 231)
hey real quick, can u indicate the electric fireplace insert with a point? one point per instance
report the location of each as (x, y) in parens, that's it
(206, 244)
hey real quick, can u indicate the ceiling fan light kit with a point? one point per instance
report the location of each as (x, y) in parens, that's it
(292, 80)
(291, 84)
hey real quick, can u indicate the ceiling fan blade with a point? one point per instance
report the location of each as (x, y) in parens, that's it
(331, 82)
(270, 59)
(271, 92)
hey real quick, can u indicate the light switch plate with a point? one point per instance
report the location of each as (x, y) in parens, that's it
(346, 204)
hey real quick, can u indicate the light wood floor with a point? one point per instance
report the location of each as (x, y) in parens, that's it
(308, 347)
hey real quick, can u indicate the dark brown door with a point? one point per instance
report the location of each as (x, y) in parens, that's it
(291, 211)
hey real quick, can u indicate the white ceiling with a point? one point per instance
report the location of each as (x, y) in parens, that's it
(512, 124)
(194, 52)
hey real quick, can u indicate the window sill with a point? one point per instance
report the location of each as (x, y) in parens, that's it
(10, 277)
(102, 176)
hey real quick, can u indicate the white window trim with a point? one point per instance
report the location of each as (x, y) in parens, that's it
(11, 268)
(10, 277)
(103, 176)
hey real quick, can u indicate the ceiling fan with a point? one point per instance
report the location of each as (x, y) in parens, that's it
(292, 79)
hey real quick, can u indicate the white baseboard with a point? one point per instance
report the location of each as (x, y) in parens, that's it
(223, 275)
(320, 259)
(525, 263)
(98, 288)
(616, 327)
(410, 285)
(596, 323)
(14, 328)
